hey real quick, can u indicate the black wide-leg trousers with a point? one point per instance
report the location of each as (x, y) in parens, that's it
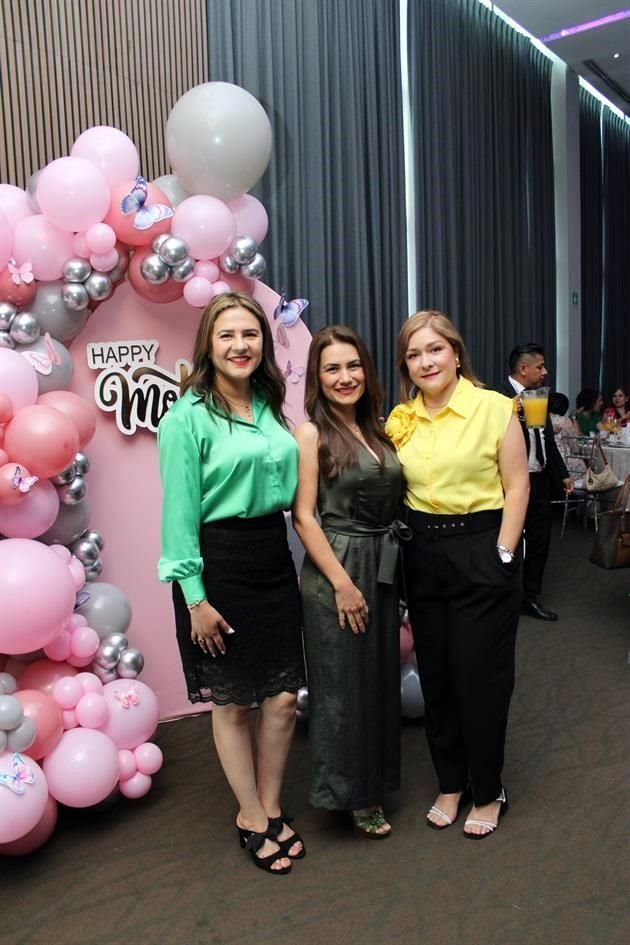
(464, 607)
(538, 523)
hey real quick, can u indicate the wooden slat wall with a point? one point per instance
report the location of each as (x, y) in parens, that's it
(66, 65)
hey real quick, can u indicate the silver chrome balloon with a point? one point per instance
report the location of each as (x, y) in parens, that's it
(95, 537)
(228, 264)
(243, 249)
(183, 270)
(130, 664)
(73, 492)
(157, 242)
(82, 463)
(6, 341)
(93, 571)
(105, 675)
(107, 656)
(256, 268)
(99, 286)
(86, 551)
(118, 640)
(65, 476)
(24, 328)
(76, 270)
(75, 296)
(7, 314)
(173, 251)
(154, 270)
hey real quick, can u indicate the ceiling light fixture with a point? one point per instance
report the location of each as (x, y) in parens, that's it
(583, 27)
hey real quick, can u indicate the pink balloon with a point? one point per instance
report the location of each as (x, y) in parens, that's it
(127, 766)
(6, 240)
(9, 491)
(14, 204)
(19, 813)
(35, 838)
(73, 193)
(46, 246)
(76, 408)
(42, 438)
(46, 715)
(170, 291)
(67, 691)
(84, 642)
(90, 682)
(64, 553)
(6, 408)
(100, 238)
(77, 620)
(77, 571)
(79, 246)
(198, 291)
(83, 768)
(123, 224)
(406, 643)
(35, 515)
(59, 649)
(149, 758)
(104, 262)
(111, 151)
(80, 662)
(207, 225)
(250, 216)
(43, 674)
(133, 712)
(220, 288)
(136, 786)
(18, 380)
(91, 710)
(69, 719)
(37, 597)
(208, 269)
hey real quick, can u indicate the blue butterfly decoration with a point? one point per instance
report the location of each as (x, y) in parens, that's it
(22, 775)
(289, 312)
(134, 202)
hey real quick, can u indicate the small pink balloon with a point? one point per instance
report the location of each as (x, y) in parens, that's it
(59, 649)
(91, 710)
(136, 786)
(80, 662)
(103, 262)
(84, 642)
(206, 224)
(73, 193)
(83, 768)
(77, 409)
(19, 813)
(77, 572)
(80, 246)
(34, 516)
(6, 408)
(76, 620)
(64, 553)
(18, 380)
(220, 288)
(111, 151)
(37, 240)
(10, 475)
(90, 682)
(67, 691)
(207, 269)
(126, 764)
(100, 238)
(198, 291)
(35, 838)
(149, 758)
(250, 216)
(4, 456)
(69, 719)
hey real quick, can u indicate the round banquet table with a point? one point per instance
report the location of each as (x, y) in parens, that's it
(619, 459)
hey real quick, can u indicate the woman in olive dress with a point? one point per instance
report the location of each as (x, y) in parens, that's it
(349, 475)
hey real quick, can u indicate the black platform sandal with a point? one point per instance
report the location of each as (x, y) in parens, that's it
(275, 828)
(252, 841)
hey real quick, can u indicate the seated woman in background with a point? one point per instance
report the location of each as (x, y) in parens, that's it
(588, 416)
(618, 408)
(564, 430)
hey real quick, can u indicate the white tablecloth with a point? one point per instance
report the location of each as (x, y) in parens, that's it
(619, 459)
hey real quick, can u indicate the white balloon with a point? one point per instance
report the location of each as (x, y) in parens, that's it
(218, 140)
(172, 187)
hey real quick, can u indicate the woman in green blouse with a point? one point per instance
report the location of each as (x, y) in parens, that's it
(229, 468)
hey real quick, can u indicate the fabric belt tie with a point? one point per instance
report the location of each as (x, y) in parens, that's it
(391, 536)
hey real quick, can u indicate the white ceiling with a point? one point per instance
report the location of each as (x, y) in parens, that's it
(589, 53)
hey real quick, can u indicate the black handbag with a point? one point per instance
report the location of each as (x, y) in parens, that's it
(611, 548)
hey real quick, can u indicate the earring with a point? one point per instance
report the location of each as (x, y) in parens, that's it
(457, 364)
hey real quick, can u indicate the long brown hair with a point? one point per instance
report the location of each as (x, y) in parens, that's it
(439, 322)
(267, 377)
(338, 449)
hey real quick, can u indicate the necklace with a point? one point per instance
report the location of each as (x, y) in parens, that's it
(245, 406)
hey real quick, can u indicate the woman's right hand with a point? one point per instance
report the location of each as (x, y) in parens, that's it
(351, 606)
(207, 627)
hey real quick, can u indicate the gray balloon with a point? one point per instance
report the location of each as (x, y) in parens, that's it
(228, 264)
(411, 698)
(119, 640)
(173, 251)
(157, 242)
(130, 664)
(86, 551)
(256, 268)
(107, 656)
(244, 248)
(105, 675)
(75, 297)
(107, 609)
(154, 270)
(70, 523)
(95, 537)
(82, 463)
(99, 286)
(3, 741)
(11, 712)
(31, 192)
(8, 683)
(184, 270)
(23, 736)
(73, 492)
(61, 374)
(62, 320)
(65, 476)
(6, 341)
(93, 570)
(76, 270)
(170, 185)
(25, 328)
(7, 314)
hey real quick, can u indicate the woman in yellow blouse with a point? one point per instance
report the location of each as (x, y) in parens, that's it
(464, 463)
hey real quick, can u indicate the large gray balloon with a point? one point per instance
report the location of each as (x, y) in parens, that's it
(53, 315)
(60, 374)
(170, 185)
(22, 737)
(70, 523)
(107, 610)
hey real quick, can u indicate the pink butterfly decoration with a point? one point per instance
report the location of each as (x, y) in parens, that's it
(22, 775)
(281, 336)
(293, 374)
(134, 202)
(129, 698)
(43, 361)
(23, 483)
(20, 274)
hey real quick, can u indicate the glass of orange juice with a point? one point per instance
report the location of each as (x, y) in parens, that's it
(535, 407)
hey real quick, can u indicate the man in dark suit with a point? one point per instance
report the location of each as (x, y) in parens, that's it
(546, 469)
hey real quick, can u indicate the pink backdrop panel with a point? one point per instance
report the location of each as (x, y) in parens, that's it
(123, 483)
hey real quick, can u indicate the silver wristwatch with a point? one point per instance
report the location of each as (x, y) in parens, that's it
(505, 554)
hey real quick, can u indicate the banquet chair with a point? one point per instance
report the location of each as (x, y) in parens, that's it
(576, 452)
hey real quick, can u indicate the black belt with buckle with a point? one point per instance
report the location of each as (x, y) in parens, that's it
(448, 526)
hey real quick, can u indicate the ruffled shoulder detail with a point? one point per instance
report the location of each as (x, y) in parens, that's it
(401, 424)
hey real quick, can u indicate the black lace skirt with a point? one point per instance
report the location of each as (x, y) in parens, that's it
(250, 578)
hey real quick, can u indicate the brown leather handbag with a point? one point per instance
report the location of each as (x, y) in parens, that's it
(611, 548)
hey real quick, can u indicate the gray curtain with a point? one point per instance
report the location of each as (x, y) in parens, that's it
(328, 75)
(485, 230)
(591, 237)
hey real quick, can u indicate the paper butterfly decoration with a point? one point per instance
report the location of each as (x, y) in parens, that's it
(22, 775)
(293, 374)
(23, 483)
(43, 361)
(82, 598)
(281, 336)
(289, 312)
(127, 699)
(134, 202)
(20, 274)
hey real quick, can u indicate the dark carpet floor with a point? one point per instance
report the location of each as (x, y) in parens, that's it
(167, 868)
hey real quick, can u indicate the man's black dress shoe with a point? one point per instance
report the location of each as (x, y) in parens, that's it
(531, 608)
